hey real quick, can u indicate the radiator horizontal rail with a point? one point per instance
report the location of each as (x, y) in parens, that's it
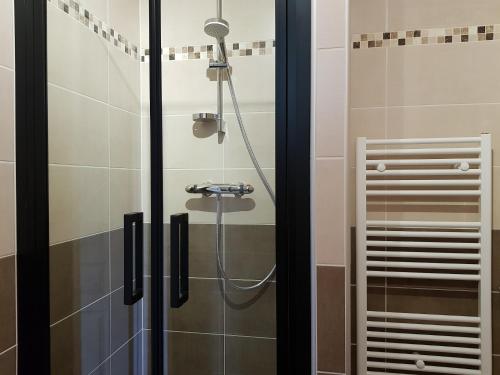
(425, 348)
(423, 183)
(442, 161)
(419, 337)
(424, 172)
(425, 245)
(418, 255)
(427, 317)
(406, 193)
(425, 151)
(422, 234)
(425, 265)
(430, 358)
(423, 224)
(423, 141)
(423, 275)
(424, 327)
(438, 369)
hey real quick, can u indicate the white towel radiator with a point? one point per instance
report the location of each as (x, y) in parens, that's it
(424, 171)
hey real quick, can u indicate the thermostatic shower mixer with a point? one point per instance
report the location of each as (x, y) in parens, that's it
(208, 189)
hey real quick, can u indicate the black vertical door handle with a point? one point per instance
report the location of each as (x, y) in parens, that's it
(179, 259)
(133, 271)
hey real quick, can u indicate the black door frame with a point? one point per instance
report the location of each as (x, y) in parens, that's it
(293, 110)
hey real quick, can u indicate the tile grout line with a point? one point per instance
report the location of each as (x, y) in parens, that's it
(9, 349)
(114, 353)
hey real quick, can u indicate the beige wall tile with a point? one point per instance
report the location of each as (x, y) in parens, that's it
(256, 208)
(125, 139)
(330, 214)
(7, 209)
(189, 145)
(444, 74)
(124, 16)
(85, 73)
(260, 128)
(124, 81)
(446, 121)
(369, 123)
(408, 14)
(246, 23)
(7, 117)
(7, 34)
(496, 197)
(98, 7)
(188, 90)
(125, 194)
(368, 72)
(78, 202)
(330, 23)
(330, 102)
(368, 16)
(75, 122)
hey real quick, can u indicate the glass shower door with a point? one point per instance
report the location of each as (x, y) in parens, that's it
(209, 175)
(95, 179)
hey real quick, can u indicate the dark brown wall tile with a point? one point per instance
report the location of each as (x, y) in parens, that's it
(203, 312)
(81, 342)
(126, 321)
(202, 260)
(495, 301)
(195, 354)
(7, 303)
(104, 369)
(432, 301)
(496, 365)
(117, 261)
(250, 356)
(250, 250)
(79, 274)
(251, 313)
(495, 266)
(376, 302)
(128, 360)
(8, 362)
(331, 319)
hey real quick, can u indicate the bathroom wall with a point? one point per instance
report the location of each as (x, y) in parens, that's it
(233, 332)
(8, 336)
(426, 69)
(94, 179)
(330, 52)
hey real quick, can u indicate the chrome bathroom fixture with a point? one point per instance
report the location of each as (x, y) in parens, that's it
(208, 189)
(219, 28)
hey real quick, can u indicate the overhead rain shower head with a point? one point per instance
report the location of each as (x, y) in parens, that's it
(217, 28)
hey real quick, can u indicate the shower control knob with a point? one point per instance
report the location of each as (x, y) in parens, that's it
(420, 364)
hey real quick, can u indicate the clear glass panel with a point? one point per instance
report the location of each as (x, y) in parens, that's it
(232, 330)
(95, 178)
(414, 75)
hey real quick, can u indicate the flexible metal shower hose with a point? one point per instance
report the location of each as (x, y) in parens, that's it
(219, 228)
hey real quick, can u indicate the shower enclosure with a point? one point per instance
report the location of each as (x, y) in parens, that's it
(168, 240)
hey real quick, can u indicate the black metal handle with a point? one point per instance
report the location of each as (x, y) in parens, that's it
(179, 259)
(133, 257)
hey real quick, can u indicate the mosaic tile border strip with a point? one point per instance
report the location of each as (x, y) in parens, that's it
(448, 35)
(98, 26)
(203, 52)
(208, 52)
